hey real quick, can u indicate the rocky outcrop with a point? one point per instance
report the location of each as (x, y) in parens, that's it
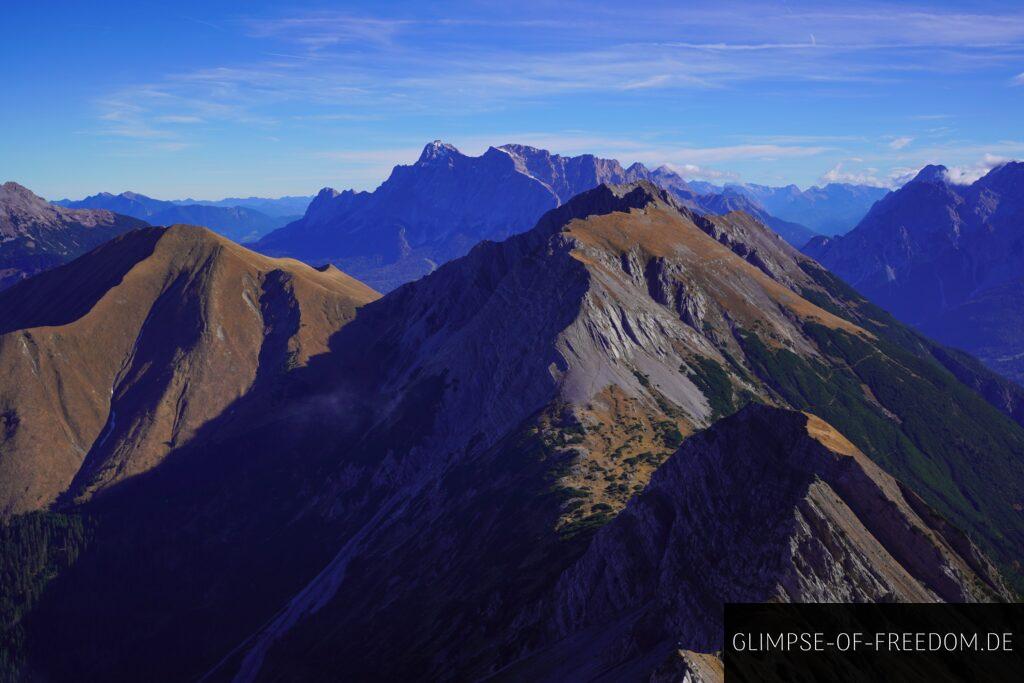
(767, 505)
(35, 236)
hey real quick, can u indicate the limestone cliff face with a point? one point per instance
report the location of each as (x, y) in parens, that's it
(436, 209)
(111, 362)
(36, 236)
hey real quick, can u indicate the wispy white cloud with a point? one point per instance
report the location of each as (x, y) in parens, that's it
(967, 174)
(365, 63)
(840, 174)
(1018, 79)
(319, 30)
(900, 142)
(651, 82)
(178, 118)
(695, 172)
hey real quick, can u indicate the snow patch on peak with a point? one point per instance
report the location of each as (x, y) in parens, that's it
(437, 150)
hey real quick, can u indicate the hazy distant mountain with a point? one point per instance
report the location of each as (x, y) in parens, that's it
(830, 210)
(36, 236)
(291, 207)
(704, 187)
(556, 457)
(730, 200)
(948, 259)
(237, 223)
(436, 209)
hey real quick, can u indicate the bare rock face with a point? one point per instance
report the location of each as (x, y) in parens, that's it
(767, 505)
(686, 666)
(36, 236)
(436, 209)
(111, 362)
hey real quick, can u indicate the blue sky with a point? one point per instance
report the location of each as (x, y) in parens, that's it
(210, 99)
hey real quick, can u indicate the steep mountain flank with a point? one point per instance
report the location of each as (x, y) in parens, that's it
(110, 362)
(35, 236)
(767, 505)
(426, 500)
(945, 258)
(436, 209)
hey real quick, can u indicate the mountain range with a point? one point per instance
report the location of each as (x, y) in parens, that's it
(832, 209)
(237, 222)
(555, 457)
(289, 206)
(36, 236)
(946, 258)
(439, 207)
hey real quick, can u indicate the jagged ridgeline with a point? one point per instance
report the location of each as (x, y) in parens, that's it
(555, 457)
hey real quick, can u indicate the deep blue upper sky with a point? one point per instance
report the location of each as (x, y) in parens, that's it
(209, 99)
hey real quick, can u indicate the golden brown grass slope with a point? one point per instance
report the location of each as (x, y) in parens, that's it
(109, 362)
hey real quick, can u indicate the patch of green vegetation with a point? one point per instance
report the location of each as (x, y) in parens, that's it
(713, 382)
(930, 431)
(573, 505)
(570, 492)
(664, 405)
(588, 524)
(600, 507)
(34, 549)
(669, 434)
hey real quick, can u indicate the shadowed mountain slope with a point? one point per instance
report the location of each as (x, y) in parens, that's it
(766, 505)
(430, 498)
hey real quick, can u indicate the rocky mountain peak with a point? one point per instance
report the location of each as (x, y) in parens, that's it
(932, 173)
(610, 198)
(525, 150)
(1006, 178)
(327, 193)
(437, 150)
(12, 191)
